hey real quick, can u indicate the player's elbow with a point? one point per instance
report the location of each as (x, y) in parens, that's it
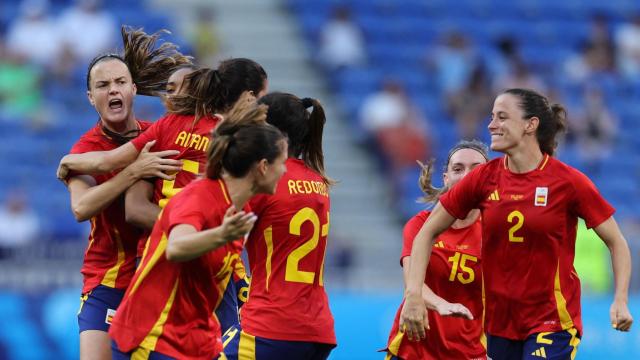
(174, 254)
(80, 213)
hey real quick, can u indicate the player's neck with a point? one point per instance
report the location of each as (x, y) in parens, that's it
(240, 190)
(121, 127)
(525, 159)
(470, 219)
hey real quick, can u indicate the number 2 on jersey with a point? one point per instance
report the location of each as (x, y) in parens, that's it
(168, 189)
(292, 272)
(517, 217)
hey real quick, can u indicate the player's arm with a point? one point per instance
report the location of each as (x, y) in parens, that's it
(100, 162)
(186, 243)
(87, 199)
(413, 318)
(140, 210)
(610, 233)
(433, 301)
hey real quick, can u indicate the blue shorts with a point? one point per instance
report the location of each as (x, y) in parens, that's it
(559, 345)
(238, 343)
(97, 308)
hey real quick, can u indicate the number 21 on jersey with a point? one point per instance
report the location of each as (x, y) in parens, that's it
(292, 272)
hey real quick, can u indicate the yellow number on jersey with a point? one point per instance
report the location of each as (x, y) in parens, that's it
(295, 225)
(168, 189)
(292, 272)
(460, 261)
(519, 221)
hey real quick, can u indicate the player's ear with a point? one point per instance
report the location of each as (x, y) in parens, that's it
(262, 167)
(90, 97)
(532, 125)
(135, 88)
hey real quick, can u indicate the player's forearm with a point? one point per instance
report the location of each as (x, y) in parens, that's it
(97, 198)
(87, 163)
(610, 233)
(420, 253)
(621, 262)
(431, 300)
(186, 247)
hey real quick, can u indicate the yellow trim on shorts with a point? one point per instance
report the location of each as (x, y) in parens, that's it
(247, 347)
(575, 341)
(140, 354)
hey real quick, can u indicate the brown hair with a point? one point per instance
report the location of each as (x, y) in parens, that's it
(304, 129)
(149, 68)
(432, 193)
(552, 117)
(208, 91)
(241, 140)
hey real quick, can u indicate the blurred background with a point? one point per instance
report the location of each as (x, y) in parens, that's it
(401, 80)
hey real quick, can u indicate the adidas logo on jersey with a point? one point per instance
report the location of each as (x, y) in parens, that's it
(540, 353)
(494, 196)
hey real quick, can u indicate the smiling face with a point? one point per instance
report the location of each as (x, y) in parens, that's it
(460, 164)
(508, 127)
(111, 92)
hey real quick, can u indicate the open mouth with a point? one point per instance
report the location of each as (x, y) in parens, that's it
(115, 104)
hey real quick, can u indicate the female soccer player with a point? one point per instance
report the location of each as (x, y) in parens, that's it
(454, 272)
(109, 259)
(530, 204)
(167, 309)
(287, 315)
(142, 210)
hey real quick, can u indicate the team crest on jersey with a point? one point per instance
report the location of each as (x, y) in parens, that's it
(542, 193)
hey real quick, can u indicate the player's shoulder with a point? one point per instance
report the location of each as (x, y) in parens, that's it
(144, 124)
(92, 140)
(418, 218)
(560, 169)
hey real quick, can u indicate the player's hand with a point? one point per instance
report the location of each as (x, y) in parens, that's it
(456, 310)
(63, 170)
(154, 164)
(413, 318)
(237, 224)
(621, 318)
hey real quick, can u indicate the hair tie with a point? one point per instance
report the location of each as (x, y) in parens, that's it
(307, 102)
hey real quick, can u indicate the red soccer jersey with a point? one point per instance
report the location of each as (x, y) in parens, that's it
(286, 251)
(454, 273)
(168, 308)
(529, 233)
(178, 132)
(110, 256)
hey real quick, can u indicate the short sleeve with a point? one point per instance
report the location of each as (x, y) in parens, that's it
(188, 210)
(153, 132)
(589, 203)
(466, 195)
(411, 229)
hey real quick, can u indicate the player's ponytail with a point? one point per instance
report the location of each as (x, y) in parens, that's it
(312, 153)
(304, 130)
(208, 91)
(241, 140)
(431, 193)
(150, 67)
(552, 118)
